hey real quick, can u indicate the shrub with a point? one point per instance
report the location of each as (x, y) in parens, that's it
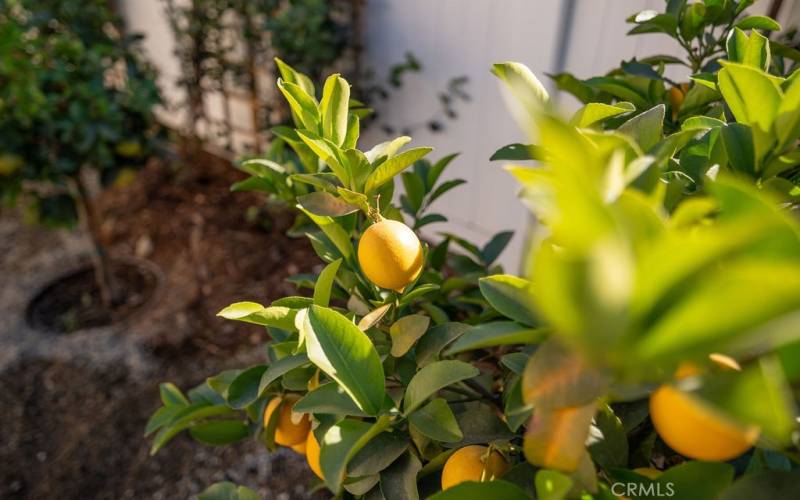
(634, 287)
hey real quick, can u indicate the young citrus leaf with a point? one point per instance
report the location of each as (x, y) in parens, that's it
(341, 442)
(444, 187)
(552, 485)
(245, 388)
(326, 204)
(751, 95)
(293, 302)
(495, 334)
(406, 331)
(511, 297)
(417, 293)
(278, 369)
(303, 106)
(525, 95)
(608, 443)
(374, 317)
(334, 106)
(556, 377)
(219, 432)
(250, 312)
(328, 398)
(387, 149)
(353, 130)
(434, 377)
(596, 112)
(787, 122)
(436, 170)
(171, 395)
(496, 489)
(399, 480)
(324, 285)
(377, 454)
(161, 417)
(437, 338)
(436, 421)
(328, 152)
(555, 439)
(393, 166)
(292, 75)
(228, 491)
(758, 23)
(346, 355)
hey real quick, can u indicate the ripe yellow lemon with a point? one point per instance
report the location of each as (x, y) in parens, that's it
(693, 428)
(312, 454)
(470, 463)
(287, 432)
(390, 254)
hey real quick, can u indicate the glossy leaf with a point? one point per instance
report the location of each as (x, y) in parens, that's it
(434, 377)
(436, 421)
(495, 334)
(511, 297)
(406, 331)
(325, 282)
(393, 166)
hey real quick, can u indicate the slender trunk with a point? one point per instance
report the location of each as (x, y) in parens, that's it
(100, 260)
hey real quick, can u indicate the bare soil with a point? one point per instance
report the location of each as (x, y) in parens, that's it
(74, 406)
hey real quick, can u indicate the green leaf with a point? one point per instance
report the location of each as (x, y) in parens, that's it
(373, 317)
(334, 232)
(244, 389)
(228, 491)
(471, 490)
(393, 166)
(692, 20)
(494, 334)
(552, 485)
(328, 152)
(526, 89)
(511, 297)
(697, 480)
(646, 128)
(341, 442)
(495, 246)
(758, 23)
(765, 484)
(219, 432)
(608, 443)
(406, 331)
(751, 95)
(436, 421)
(387, 149)
(185, 418)
(377, 454)
(399, 480)
(596, 112)
(326, 204)
(434, 377)
(619, 89)
(346, 355)
(517, 152)
(250, 312)
(292, 75)
(280, 368)
(738, 142)
(437, 338)
(328, 398)
(787, 121)
(324, 285)
(436, 170)
(303, 106)
(334, 106)
(171, 395)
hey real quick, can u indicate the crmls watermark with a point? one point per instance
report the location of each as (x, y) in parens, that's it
(641, 490)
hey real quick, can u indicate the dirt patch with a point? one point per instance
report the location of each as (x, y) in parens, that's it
(75, 406)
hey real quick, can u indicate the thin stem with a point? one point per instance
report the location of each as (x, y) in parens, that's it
(100, 260)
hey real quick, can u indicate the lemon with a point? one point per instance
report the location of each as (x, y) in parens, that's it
(299, 448)
(390, 254)
(471, 463)
(693, 428)
(312, 454)
(288, 432)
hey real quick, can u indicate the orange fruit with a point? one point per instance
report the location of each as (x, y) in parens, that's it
(471, 463)
(289, 431)
(390, 254)
(299, 448)
(675, 97)
(695, 429)
(312, 454)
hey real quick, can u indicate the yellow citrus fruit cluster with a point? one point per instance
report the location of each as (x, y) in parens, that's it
(390, 254)
(294, 433)
(472, 463)
(693, 428)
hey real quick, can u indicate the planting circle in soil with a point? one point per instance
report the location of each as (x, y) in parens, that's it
(72, 302)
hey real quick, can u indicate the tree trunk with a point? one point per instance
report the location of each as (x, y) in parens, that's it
(100, 260)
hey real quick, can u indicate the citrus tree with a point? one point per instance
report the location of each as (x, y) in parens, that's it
(75, 95)
(650, 348)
